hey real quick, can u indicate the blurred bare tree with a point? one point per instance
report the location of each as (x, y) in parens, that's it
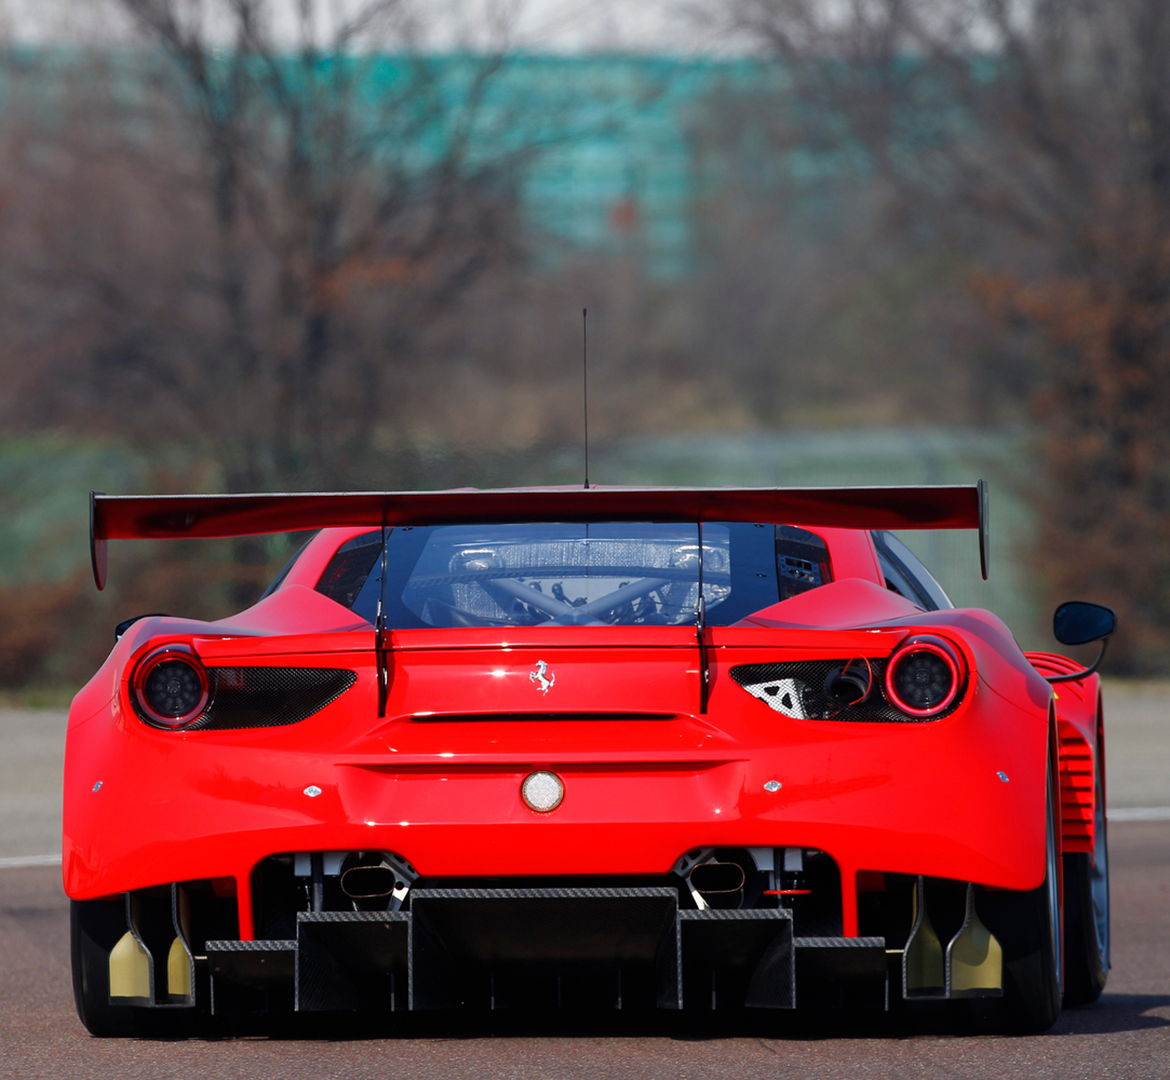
(227, 227)
(267, 226)
(283, 244)
(817, 302)
(1031, 138)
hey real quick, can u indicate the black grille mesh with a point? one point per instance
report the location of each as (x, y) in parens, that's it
(256, 697)
(797, 688)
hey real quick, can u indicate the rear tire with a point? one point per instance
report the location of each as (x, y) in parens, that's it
(1086, 910)
(94, 928)
(1028, 926)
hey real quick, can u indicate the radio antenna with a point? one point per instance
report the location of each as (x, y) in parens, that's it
(585, 384)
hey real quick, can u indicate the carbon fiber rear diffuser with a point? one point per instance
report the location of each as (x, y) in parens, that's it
(540, 948)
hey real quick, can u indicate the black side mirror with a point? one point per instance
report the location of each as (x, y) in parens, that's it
(1078, 623)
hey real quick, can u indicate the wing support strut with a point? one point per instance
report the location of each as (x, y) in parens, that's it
(382, 635)
(701, 634)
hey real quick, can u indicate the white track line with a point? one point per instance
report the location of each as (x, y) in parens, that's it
(1140, 813)
(17, 862)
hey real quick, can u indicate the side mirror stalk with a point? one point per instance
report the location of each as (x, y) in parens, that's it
(1081, 674)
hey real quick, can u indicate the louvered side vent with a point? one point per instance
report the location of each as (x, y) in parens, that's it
(259, 697)
(1076, 790)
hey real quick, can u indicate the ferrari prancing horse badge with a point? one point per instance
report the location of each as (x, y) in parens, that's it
(542, 678)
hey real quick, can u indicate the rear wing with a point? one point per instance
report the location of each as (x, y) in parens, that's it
(129, 517)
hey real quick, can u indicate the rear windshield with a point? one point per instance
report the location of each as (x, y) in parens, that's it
(616, 574)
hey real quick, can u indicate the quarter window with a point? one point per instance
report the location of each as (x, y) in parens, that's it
(906, 575)
(348, 569)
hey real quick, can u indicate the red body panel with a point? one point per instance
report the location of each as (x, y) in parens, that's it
(960, 797)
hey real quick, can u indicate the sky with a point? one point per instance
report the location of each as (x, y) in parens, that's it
(655, 26)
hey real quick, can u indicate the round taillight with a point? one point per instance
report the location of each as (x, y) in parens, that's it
(924, 677)
(170, 687)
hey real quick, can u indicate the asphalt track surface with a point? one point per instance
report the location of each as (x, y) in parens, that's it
(1126, 1034)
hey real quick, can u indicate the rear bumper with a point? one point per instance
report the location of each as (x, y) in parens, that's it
(145, 807)
(619, 819)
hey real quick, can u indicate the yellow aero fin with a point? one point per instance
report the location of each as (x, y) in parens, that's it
(974, 957)
(180, 982)
(130, 969)
(180, 964)
(923, 964)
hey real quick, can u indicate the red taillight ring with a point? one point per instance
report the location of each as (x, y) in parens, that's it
(170, 653)
(939, 648)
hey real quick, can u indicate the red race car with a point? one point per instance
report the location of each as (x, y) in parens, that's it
(709, 749)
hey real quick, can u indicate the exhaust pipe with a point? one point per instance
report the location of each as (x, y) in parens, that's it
(720, 884)
(369, 882)
(375, 884)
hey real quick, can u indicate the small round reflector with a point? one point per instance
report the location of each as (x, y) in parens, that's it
(170, 687)
(542, 791)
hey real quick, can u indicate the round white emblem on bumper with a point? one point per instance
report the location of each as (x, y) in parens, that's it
(542, 791)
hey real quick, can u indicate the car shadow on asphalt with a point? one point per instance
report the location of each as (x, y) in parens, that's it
(1113, 1013)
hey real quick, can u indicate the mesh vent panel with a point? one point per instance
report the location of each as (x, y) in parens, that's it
(256, 697)
(797, 689)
